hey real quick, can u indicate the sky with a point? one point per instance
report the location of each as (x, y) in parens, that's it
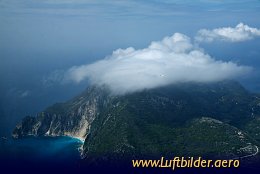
(50, 50)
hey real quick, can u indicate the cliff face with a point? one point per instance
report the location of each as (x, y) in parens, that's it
(177, 120)
(72, 118)
(218, 119)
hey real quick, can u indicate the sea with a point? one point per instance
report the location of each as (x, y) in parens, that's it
(40, 154)
(55, 155)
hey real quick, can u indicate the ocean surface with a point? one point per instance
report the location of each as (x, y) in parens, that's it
(47, 155)
(39, 154)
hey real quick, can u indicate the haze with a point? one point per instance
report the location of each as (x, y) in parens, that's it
(41, 41)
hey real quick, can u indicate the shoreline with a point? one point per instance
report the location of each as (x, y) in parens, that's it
(78, 138)
(82, 140)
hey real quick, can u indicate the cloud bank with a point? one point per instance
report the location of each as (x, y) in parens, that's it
(240, 33)
(171, 60)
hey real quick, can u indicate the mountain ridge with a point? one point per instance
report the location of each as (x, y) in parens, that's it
(134, 124)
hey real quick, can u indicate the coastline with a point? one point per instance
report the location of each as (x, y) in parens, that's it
(77, 138)
(80, 148)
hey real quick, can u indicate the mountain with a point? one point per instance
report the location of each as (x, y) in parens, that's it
(188, 119)
(72, 118)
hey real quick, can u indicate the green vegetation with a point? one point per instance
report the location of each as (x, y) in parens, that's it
(190, 119)
(185, 119)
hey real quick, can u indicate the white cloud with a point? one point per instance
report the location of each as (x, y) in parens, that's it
(91, 8)
(172, 60)
(53, 78)
(24, 93)
(18, 93)
(240, 33)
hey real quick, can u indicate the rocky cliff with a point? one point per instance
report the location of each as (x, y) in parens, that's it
(72, 118)
(189, 119)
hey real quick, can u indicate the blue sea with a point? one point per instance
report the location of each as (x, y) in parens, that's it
(39, 154)
(47, 155)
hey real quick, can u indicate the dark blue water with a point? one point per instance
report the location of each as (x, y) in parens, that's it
(35, 155)
(49, 155)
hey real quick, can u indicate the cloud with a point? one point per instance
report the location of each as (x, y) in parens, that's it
(240, 33)
(112, 8)
(53, 78)
(172, 60)
(18, 93)
(24, 93)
